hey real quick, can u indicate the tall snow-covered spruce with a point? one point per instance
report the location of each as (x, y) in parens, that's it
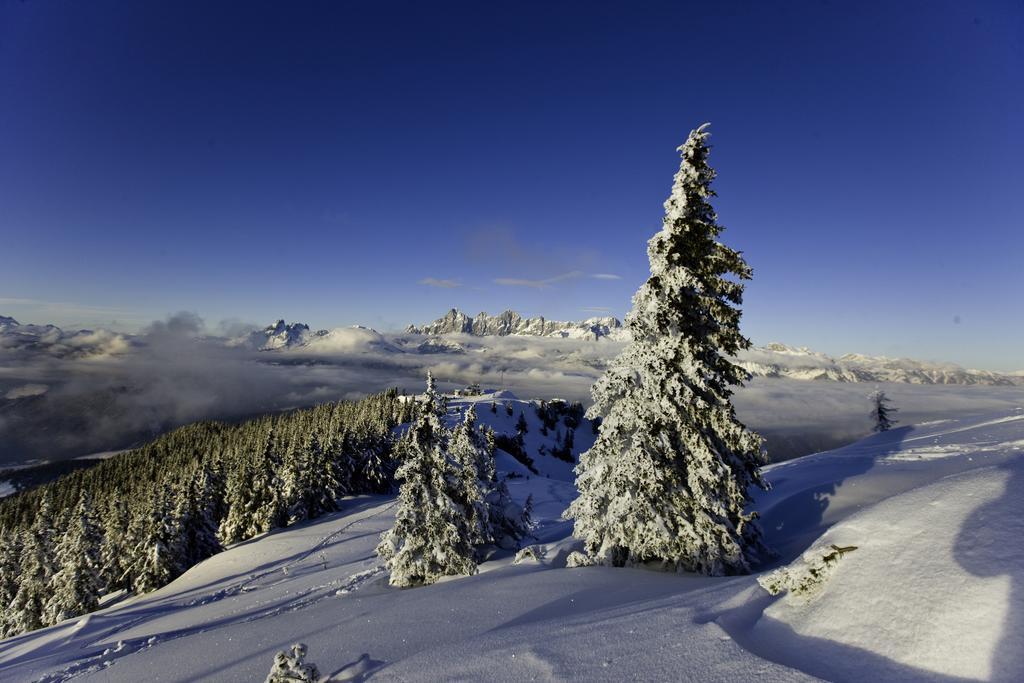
(667, 480)
(430, 538)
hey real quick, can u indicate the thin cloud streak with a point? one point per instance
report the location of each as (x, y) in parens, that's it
(61, 311)
(538, 284)
(440, 283)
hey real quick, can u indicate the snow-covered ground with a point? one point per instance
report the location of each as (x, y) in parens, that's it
(933, 591)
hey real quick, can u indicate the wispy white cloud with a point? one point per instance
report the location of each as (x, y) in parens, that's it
(437, 282)
(66, 309)
(538, 284)
(26, 390)
(597, 309)
(606, 276)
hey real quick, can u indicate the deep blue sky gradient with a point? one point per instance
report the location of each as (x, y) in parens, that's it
(318, 160)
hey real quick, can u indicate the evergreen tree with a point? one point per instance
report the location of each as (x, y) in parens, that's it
(521, 426)
(469, 488)
(211, 475)
(238, 495)
(315, 486)
(375, 471)
(881, 414)
(667, 479)
(76, 585)
(270, 503)
(196, 509)
(10, 570)
(428, 540)
(112, 551)
(157, 556)
(26, 611)
(508, 523)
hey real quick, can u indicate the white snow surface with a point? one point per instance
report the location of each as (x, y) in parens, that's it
(934, 590)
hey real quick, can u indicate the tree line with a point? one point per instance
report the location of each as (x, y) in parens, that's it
(452, 506)
(139, 520)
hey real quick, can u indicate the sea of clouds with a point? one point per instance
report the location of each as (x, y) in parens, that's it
(118, 391)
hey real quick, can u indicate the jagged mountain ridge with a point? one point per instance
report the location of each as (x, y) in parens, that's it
(771, 360)
(779, 360)
(278, 335)
(512, 323)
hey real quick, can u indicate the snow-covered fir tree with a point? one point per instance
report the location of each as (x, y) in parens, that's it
(881, 413)
(197, 507)
(374, 466)
(667, 479)
(313, 486)
(10, 570)
(292, 667)
(76, 585)
(428, 540)
(238, 524)
(270, 503)
(157, 556)
(508, 522)
(26, 611)
(469, 484)
(113, 549)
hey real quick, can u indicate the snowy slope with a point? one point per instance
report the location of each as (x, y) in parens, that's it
(538, 445)
(934, 590)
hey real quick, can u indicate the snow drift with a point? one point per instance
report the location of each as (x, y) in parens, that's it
(933, 591)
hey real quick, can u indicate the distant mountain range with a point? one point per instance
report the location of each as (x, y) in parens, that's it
(772, 360)
(511, 323)
(779, 360)
(282, 336)
(53, 341)
(447, 335)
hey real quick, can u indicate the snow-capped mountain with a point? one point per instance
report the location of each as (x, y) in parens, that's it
(779, 360)
(511, 323)
(53, 341)
(15, 334)
(279, 335)
(282, 336)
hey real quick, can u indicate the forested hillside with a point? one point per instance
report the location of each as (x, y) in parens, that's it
(139, 520)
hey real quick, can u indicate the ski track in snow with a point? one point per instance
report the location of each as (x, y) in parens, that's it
(106, 658)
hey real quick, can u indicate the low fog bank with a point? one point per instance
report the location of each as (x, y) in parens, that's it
(800, 417)
(176, 372)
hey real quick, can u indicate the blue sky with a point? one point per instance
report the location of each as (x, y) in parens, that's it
(324, 161)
